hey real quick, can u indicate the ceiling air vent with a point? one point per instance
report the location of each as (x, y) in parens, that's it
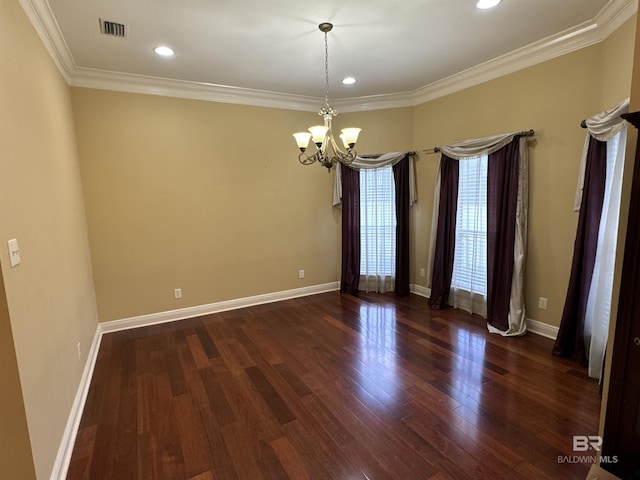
(113, 29)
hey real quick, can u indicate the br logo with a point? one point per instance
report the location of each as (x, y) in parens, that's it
(584, 443)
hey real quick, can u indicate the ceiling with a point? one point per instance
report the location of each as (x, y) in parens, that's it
(230, 50)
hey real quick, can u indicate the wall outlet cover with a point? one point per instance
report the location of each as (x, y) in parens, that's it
(14, 252)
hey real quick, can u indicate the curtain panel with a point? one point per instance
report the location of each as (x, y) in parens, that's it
(403, 201)
(502, 203)
(350, 277)
(583, 330)
(507, 205)
(570, 339)
(344, 195)
(442, 256)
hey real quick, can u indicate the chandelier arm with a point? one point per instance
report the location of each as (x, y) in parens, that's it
(336, 148)
(350, 157)
(347, 157)
(305, 159)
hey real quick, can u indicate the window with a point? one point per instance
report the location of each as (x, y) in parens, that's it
(377, 227)
(470, 254)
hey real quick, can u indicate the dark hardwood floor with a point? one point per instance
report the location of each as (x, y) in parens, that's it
(332, 387)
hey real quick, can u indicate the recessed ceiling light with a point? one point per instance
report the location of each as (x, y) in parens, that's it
(164, 51)
(484, 4)
(349, 81)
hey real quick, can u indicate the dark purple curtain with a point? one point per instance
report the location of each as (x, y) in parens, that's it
(350, 231)
(401, 179)
(570, 339)
(446, 234)
(502, 190)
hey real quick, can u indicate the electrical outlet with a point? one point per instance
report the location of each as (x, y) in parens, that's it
(177, 293)
(422, 274)
(79, 351)
(300, 273)
(542, 303)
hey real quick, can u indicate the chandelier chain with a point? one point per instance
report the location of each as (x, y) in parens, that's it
(326, 69)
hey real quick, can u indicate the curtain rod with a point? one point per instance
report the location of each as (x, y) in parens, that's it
(525, 133)
(583, 124)
(375, 155)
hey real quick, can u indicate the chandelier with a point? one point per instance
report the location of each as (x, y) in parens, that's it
(328, 153)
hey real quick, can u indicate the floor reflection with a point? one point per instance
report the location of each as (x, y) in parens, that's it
(377, 369)
(468, 366)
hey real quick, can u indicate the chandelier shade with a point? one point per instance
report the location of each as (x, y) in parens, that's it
(350, 136)
(327, 153)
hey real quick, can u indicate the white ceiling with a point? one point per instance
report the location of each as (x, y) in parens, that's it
(400, 52)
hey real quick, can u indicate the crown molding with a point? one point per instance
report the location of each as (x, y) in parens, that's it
(566, 42)
(608, 20)
(41, 17)
(127, 82)
(375, 102)
(614, 14)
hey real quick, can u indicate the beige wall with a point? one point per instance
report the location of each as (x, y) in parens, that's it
(202, 196)
(207, 197)
(551, 98)
(50, 296)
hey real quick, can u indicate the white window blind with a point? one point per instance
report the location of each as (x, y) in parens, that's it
(377, 227)
(470, 255)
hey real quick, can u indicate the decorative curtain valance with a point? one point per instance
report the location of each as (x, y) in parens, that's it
(603, 126)
(383, 160)
(478, 146)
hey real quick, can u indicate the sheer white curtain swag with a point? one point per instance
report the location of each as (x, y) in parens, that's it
(385, 159)
(603, 126)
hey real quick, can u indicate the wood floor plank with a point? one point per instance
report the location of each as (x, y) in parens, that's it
(207, 343)
(275, 403)
(332, 387)
(194, 448)
(219, 405)
(200, 358)
(293, 465)
(293, 380)
(243, 449)
(83, 453)
(208, 475)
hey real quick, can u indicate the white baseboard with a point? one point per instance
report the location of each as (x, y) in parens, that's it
(421, 291)
(533, 326)
(61, 465)
(542, 329)
(190, 312)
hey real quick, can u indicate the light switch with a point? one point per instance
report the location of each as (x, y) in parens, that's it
(14, 252)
